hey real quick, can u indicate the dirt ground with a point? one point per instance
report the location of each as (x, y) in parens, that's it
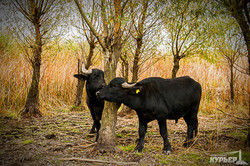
(62, 139)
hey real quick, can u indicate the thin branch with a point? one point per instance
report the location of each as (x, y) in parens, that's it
(90, 25)
(98, 161)
(231, 115)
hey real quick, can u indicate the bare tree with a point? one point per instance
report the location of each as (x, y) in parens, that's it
(87, 59)
(35, 21)
(239, 9)
(186, 29)
(144, 25)
(110, 42)
(232, 48)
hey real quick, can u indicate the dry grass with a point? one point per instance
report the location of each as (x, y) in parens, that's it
(58, 86)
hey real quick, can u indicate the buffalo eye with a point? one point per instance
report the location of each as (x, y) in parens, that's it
(103, 85)
(113, 86)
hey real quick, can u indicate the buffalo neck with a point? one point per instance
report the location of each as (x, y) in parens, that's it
(133, 101)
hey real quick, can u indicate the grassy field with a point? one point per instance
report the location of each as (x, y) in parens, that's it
(222, 125)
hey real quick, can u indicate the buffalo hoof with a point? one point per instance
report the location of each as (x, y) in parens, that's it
(167, 152)
(138, 149)
(92, 132)
(187, 144)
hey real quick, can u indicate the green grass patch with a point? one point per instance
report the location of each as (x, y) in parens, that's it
(118, 135)
(61, 110)
(27, 142)
(245, 156)
(128, 148)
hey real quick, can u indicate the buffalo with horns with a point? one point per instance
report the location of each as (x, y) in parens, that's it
(160, 99)
(94, 82)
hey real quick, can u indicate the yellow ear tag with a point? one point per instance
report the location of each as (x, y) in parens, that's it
(137, 91)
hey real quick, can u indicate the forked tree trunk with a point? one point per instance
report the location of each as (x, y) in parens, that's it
(32, 103)
(176, 66)
(112, 52)
(106, 141)
(80, 84)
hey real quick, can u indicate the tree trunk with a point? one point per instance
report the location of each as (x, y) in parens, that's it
(244, 26)
(80, 84)
(137, 58)
(237, 12)
(125, 70)
(232, 82)
(79, 92)
(32, 103)
(106, 140)
(125, 66)
(176, 66)
(248, 135)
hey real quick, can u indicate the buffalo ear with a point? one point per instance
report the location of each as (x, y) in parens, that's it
(80, 77)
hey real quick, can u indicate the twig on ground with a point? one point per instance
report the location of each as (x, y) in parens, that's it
(99, 161)
(231, 115)
(84, 146)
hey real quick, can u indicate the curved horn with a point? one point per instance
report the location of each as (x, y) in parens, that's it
(126, 85)
(85, 71)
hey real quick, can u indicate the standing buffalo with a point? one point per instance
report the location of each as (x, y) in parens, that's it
(94, 82)
(160, 99)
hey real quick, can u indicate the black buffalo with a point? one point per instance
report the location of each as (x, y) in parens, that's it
(94, 82)
(160, 99)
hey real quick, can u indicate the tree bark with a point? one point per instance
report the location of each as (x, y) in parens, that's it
(176, 66)
(111, 50)
(137, 58)
(80, 84)
(237, 12)
(231, 82)
(125, 67)
(32, 103)
(79, 92)
(106, 140)
(139, 41)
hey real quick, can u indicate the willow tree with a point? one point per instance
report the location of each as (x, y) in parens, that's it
(34, 24)
(143, 22)
(231, 47)
(87, 56)
(187, 29)
(110, 42)
(240, 11)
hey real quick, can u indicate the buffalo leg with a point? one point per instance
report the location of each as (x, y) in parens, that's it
(92, 131)
(142, 133)
(192, 125)
(98, 126)
(164, 133)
